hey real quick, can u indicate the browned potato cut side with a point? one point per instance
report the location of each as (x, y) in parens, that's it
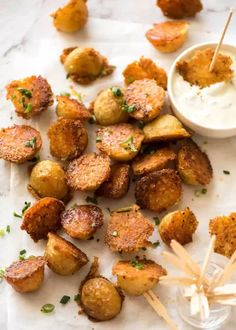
(69, 108)
(180, 8)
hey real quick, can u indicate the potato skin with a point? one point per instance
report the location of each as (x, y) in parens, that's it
(193, 164)
(26, 275)
(135, 281)
(48, 179)
(82, 221)
(88, 172)
(180, 8)
(63, 257)
(43, 217)
(39, 99)
(69, 108)
(128, 231)
(159, 190)
(15, 143)
(118, 183)
(68, 138)
(178, 225)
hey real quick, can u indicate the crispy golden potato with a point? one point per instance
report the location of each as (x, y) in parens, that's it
(144, 99)
(30, 96)
(108, 107)
(68, 138)
(72, 17)
(178, 225)
(145, 68)
(121, 142)
(82, 221)
(165, 127)
(159, 190)
(179, 8)
(63, 257)
(160, 159)
(19, 143)
(26, 275)
(69, 108)
(118, 183)
(48, 179)
(137, 276)
(43, 217)
(88, 172)
(84, 65)
(168, 36)
(224, 227)
(128, 230)
(195, 70)
(193, 164)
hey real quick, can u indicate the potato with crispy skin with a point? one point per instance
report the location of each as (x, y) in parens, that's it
(137, 276)
(224, 227)
(26, 275)
(159, 190)
(121, 142)
(180, 8)
(19, 143)
(158, 160)
(118, 183)
(30, 96)
(163, 128)
(82, 221)
(128, 230)
(145, 68)
(178, 225)
(68, 138)
(69, 108)
(88, 172)
(168, 36)
(63, 257)
(193, 164)
(43, 217)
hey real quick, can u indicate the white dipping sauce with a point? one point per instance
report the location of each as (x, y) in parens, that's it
(213, 106)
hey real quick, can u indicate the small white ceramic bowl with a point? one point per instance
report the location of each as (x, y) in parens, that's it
(200, 129)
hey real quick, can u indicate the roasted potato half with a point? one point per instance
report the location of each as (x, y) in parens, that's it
(19, 143)
(193, 164)
(30, 96)
(128, 230)
(72, 17)
(178, 225)
(63, 257)
(82, 221)
(26, 275)
(164, 127)
(137, 276)
(69, 108)
(180, 8)
(118, 183)
(168, 36)
(43, 217)
(159, 190)
(121, 142)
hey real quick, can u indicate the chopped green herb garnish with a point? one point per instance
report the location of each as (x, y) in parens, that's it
(64, 300)
(22, 101)
(92, 120)
(8, 229)
(115, 233)
(98, 139)
(157, 221)
(90, 199)
(155, 244)
(27, 205)
(128, 108)
(226, 172)
(65, 94)
(2, 232)
(47, 308)
(140, 124)
(73, 206)
(129, 144)
(77, 297)
(124, 209)
(116, 91)
(22, 254)
(31, 143)
(25, 92)
(13, 97)
(200, 192)
(34, 159)
(136, 264)
(28, 108)
(17, 215)
(2, 272)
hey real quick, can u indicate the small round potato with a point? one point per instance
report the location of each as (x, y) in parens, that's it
(19, 143)
(48, 179)
(68, 138)
(88, 172)
(168, 36)
(107, 107)
(179, 8)
(72, 17)
(193, 164)
(121, 142)
(30, 96)
(43, 217)
(158, 190)
(63, 257)
(145, 98)
(178, 225)
(136, 277)
(69, 108)
(82, 221)
(26, 275)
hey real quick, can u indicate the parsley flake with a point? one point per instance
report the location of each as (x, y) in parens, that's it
(2, 233)
(91, 199)
(200, 192)
(137, 264)
(64, 300)
(47, 308)
(8, 229)
(129, 144)
(28, 108)
(25, 92)
(31, 143)
(155, 244)
(77, 297)
(65, 94)
(128, 108)
(226, 172)
(25, 207)
(22, 254)
(116, 91)
(2, 272)
(157, 220)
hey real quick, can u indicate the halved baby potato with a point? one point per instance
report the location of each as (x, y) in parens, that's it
(180, 8)
(69, 108)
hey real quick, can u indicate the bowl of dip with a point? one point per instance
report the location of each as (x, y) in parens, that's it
(209, 111)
